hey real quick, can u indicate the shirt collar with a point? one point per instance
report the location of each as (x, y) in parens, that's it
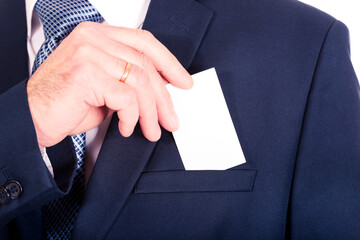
(29, 5)
(120, 13)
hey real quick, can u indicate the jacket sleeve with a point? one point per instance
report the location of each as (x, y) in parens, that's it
(325, 197)
(21, 160)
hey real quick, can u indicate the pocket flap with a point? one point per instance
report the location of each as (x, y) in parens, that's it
(236, 180)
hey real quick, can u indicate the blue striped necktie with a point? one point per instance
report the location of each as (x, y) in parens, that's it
(59, 18)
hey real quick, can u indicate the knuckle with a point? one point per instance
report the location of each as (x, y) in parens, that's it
(145, 61)
(81, 29)
(129, 99)
(166, 98)
(141, 78)
(83, 26)
(144, 34)
(84, 30)
(82, 50)
(148, 34)
(119, 63)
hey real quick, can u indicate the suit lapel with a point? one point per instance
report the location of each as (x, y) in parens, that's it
(13, 53)
(14, 69)
(180, 26)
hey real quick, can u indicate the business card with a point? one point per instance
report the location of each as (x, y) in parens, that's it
(207, 138)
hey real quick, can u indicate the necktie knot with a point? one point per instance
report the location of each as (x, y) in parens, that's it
(59, 18)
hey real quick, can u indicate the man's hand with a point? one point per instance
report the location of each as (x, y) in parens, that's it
(78, 86)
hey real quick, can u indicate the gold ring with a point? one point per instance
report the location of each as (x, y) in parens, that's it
(126, 72)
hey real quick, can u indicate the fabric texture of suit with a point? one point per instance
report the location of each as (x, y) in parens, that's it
(292, 93)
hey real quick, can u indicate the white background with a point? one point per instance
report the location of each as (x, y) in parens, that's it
(348, 12)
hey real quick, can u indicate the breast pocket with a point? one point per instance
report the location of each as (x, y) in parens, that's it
(235, 180)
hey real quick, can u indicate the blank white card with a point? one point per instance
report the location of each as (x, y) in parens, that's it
(206, 139)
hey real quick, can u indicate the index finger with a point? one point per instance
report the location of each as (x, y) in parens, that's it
(144, 42)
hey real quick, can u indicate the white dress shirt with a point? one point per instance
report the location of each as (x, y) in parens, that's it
(121, 13)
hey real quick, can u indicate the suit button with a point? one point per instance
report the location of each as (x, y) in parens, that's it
(4, 196)
(14, 189)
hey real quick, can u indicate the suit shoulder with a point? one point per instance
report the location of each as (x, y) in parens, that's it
(300, 15)
(290, 15)
(295, 6)
(313, 19)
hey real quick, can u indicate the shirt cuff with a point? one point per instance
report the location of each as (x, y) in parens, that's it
(46, 160)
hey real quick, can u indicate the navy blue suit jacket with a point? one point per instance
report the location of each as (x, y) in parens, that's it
(286, 74)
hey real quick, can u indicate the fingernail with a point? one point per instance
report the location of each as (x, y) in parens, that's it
(190, 81)
(175, 121)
